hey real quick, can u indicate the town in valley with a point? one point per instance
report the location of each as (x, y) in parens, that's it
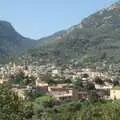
(62, 82)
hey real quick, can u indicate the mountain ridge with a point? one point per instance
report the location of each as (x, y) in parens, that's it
(95, 38)
(11, 42)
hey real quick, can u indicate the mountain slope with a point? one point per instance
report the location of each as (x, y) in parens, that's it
(11, 42)
(52, 37)
(96, 38)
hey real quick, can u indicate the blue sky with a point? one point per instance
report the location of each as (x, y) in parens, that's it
(38, 18)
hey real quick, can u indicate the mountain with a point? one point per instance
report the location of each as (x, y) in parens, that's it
(52, 37)
(11, 42)
(95, 39)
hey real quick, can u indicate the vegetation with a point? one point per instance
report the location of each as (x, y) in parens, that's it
(22, 80)
(11, 42)
(76, 110)
(47, 108)
(95, 40)
(11, 107)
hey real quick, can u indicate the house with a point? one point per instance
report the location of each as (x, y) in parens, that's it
(80, 95)
(115, 93)
(60, 93)
(38, 90)
(21, 92)
(103, 90)
(2, 81)
(103, 94)
(56, 72)
(103, 87)
(41, 85)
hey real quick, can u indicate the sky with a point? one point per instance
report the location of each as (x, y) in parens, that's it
(40, 18)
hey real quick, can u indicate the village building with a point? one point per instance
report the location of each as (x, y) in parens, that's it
(41, 86)
(2, 81)
(115, 93)
(80, 95)
(56, 72)
(60, 93)
(20, 91)
(103, 90)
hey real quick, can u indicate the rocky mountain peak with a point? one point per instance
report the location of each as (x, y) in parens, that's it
(115, 7)
(108, 16)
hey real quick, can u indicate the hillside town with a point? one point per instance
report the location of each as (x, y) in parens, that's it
(61, 83)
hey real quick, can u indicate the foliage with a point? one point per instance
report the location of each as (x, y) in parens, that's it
(11, 42)
(33, 95)
(10, 105)
(76, 110)
(98, 80)
(22, 80)
(45, 107)
(107, 111)
(78, 84)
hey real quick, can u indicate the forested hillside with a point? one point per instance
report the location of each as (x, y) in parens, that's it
(96, 38)
(11, 42)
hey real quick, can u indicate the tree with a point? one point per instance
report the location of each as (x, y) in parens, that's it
(99, 111)
(85, 75)
(89, 86)
(11, 107)
(78, 84)
(43, 107)
(92, 96)
(98, 80)
(115, 82)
